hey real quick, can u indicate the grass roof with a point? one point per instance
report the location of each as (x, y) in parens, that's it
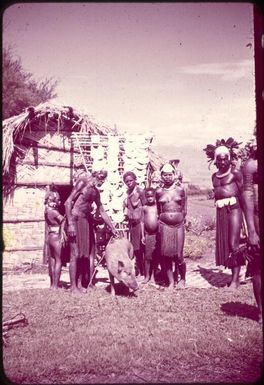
(51, 117)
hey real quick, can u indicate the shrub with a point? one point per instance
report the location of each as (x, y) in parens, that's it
(193, 189)
(246, 152)
(196, 226)
(210, 194)
(195, 246)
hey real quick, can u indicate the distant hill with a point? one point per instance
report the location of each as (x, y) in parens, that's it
(193, 162)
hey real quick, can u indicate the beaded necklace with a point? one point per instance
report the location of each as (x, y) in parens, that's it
(224, 174)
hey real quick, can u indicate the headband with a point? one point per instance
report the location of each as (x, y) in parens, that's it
(167, 167)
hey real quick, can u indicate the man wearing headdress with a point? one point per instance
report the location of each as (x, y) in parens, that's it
(78, 209)
(251, 212)
(172, 209)
(227, 183)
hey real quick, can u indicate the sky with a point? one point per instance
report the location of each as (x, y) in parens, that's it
(183, 71)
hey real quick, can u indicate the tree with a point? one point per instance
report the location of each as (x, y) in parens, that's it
(20, 90)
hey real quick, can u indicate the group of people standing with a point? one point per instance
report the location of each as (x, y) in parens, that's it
(155, 218)
(156, 222)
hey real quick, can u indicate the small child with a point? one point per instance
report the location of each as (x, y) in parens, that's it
(53, 220)
(149, 230)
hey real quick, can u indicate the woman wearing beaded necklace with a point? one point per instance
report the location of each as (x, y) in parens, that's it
(172, 208)
(227, 183)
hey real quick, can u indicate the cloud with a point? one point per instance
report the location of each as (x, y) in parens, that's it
(226, 71)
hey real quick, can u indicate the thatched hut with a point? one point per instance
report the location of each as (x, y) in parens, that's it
(39, 148)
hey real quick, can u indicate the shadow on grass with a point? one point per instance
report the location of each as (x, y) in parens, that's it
(241, 310)
(121, 290)
(213, 277)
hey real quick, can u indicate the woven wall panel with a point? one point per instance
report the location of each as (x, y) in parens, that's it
(26, 203)
(16, 258)
(60, 140)
(23, 235)
(43, 174)
(42, 155)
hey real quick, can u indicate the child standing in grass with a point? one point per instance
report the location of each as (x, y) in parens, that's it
(149, 230)
(54, 240)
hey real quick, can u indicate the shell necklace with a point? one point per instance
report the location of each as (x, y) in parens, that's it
(171, 187)
(224, 174)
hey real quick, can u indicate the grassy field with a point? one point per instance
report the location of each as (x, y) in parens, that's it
(193, 335)
(199, 207)
(184, 336)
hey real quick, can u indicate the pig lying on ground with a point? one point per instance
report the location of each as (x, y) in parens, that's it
(118, 255)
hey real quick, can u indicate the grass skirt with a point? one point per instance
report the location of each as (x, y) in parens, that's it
(168, 236)
(223, 254)
(222, 236)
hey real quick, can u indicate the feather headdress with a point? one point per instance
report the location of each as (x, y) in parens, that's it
(230, 144)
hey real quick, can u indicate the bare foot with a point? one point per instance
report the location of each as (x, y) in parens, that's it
(53, 287)
(146, 280)
(260, 317)
(161, 288)
(181, 284)
(233, 286)
(76, 290)
(154, 284)
(140, 278)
